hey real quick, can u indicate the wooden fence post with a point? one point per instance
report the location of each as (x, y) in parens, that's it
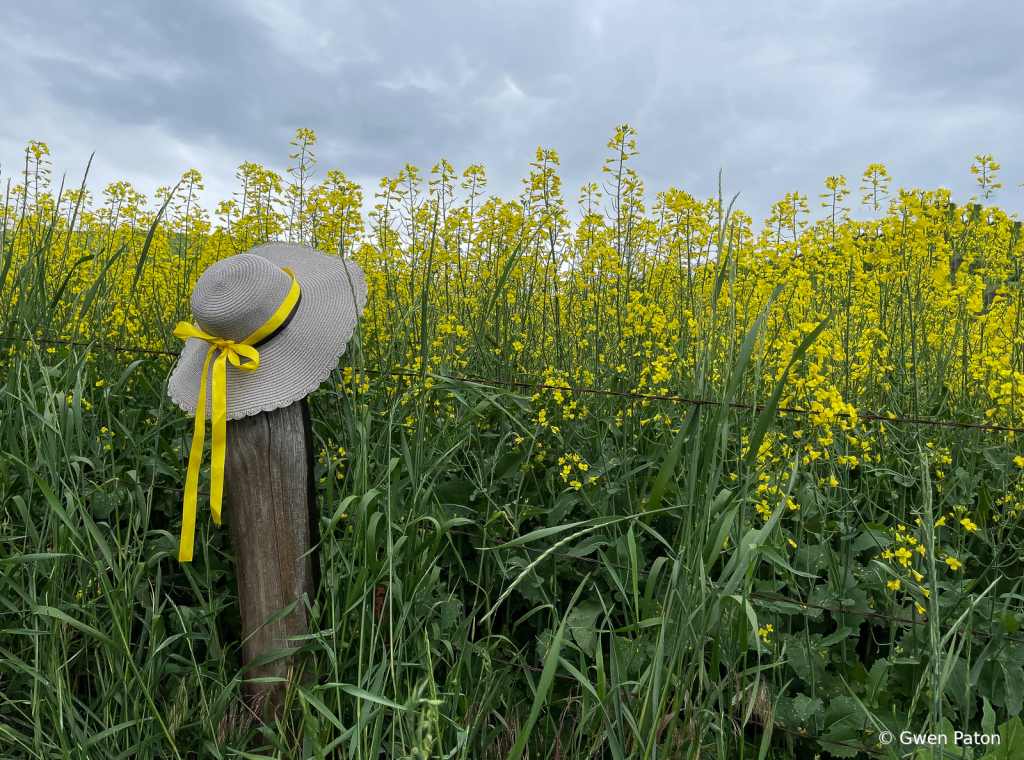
(271, 507)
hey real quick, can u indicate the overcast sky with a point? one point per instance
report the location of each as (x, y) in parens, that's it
(777, 94)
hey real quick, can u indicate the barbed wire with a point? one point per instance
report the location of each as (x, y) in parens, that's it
(754, 594)
(122, 349)
(532, 668)
(562, 676)
(591, 560)
(891, 418)
(631, 395)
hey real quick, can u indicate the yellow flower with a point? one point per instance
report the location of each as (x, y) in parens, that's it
(894, 585)
(954, 563)
(968, 525)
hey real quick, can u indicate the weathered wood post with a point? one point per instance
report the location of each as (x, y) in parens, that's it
(270, 326)
(269, 486)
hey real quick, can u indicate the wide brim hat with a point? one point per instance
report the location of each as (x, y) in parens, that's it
(237, 295)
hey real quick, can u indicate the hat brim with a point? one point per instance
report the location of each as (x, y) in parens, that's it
(295, 362)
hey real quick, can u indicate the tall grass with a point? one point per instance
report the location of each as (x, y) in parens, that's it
(513, 572)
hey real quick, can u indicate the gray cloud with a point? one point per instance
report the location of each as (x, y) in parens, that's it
(779, 94)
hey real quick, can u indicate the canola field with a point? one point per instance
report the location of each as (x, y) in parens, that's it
(513, 566)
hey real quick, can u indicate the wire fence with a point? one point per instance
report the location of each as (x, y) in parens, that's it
(804, 605)
(591, 560)
(564, 677)
(888, 417)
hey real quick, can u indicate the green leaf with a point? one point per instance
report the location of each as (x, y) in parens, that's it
(795, 712)
(768, 414)
(90, 294)
(988, 720)
(149, 238)
(84, 628)
(60, 290)
(838, 636)
(720, 530)
(668, 466)
(587, 546)
(581, 623)
(355, 691)
(778, 560)
(1011, 742)
(454, 491)
(20, 558)
(878, 680)
(1014, 680)
(545, 532)
(904, 480)
(843, 723)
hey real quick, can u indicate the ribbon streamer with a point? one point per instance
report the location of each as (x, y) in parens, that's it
(245, 357)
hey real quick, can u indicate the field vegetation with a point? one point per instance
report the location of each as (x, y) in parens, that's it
(514, 566)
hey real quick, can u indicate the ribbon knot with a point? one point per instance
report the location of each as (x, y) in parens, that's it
(233, 352)
(244, 356)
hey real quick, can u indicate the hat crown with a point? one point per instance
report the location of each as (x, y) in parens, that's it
(236, 296)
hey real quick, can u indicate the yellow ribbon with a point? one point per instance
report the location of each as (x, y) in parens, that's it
(244, 356)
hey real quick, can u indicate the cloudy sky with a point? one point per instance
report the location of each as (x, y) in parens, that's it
(778, 94)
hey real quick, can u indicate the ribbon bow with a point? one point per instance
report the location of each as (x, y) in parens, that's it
(244, 356)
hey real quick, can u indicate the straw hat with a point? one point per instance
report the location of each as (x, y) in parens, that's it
(236, 296)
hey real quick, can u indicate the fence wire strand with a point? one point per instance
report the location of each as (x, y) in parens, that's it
(620, 394)
(562, 676)
(752, 595)
(891, 418)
